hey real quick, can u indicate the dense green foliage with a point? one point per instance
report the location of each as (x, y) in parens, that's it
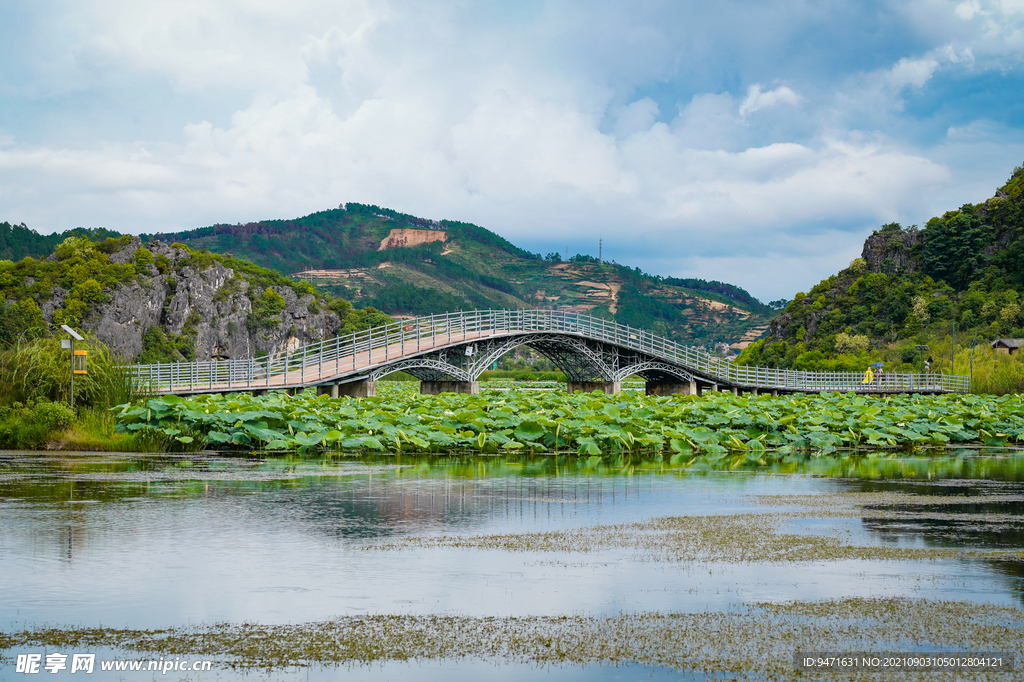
(81, 268)
(712, 426)
(410, 299)
(427, 258)
(29, 425)
(18, 241)
(731, 292)
(363, 318)
(639, 307)
(161, 346)
(964, 268)
(326, 239)
(644, 312)
(41, 370)
(485, 237)
(265, 310)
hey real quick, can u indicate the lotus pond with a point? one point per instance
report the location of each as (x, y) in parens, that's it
(764, 428)
(707, 558)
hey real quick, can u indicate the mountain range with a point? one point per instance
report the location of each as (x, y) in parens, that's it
(405, 265)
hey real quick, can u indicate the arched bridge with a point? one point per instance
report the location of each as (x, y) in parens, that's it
(449, 352)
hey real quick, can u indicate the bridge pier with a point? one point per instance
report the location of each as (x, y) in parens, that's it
(438, 387)
(259, 392)
(670, 388)
(354, 389)
(609, 387)
(710, 388)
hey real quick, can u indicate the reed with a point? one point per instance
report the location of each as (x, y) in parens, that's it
(992, 372)
(41, 369)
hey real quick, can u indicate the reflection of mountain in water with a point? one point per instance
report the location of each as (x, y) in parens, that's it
(1014, 570)
(73, 500)
(995, 521)
(992, 524)
(383, 506)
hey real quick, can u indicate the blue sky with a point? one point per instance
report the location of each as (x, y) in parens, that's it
(752, 142)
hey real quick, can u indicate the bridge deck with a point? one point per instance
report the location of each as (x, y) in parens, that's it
(292, 372)
(402, 345)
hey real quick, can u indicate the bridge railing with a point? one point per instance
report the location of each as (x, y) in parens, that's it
(359, 352)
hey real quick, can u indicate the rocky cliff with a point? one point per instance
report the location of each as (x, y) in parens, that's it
(202, 303)
(892, 249)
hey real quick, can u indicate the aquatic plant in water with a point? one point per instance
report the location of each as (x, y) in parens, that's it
(709, 428)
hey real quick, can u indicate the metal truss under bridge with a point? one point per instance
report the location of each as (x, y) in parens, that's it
(458, 347)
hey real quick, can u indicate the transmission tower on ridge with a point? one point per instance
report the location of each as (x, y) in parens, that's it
(600, 245)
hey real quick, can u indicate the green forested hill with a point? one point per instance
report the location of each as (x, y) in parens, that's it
(18, 241)
(406, 265)
(908, 289)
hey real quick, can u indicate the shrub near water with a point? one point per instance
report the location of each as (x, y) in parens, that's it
(710, 426)
(29, 425)
(35, 378)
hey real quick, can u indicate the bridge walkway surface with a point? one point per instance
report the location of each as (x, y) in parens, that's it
(449, 352)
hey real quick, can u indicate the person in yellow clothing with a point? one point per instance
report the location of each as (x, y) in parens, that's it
(869, 376)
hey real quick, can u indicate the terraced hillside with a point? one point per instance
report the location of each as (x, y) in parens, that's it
(406, 265)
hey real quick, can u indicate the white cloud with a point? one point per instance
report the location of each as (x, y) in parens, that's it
(912, 72)
(639, 115)
(550, 124)
(708, 121)
(967, 10)
(758, 99)
(513, 163)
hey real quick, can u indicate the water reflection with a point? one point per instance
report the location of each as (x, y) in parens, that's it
(152, 540)
(994, 522)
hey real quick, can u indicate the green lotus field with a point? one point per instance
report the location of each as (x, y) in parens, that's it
(710, 427)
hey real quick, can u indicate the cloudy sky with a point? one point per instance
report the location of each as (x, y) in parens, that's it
(752, 142)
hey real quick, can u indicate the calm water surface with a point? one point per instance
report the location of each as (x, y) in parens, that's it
(150, 541)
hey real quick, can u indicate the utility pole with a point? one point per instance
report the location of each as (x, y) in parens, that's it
(974, 343)
(952, 351)
(600, 245)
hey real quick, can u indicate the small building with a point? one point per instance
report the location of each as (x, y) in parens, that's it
(1007, 346)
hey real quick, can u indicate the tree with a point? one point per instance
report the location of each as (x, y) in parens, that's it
(920, 310)
(955, 248)
(851, 343)
(364, 318)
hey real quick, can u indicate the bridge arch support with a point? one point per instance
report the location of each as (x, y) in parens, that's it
(587, 364)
